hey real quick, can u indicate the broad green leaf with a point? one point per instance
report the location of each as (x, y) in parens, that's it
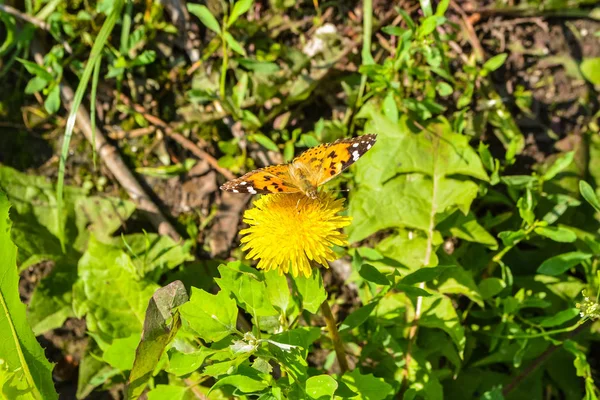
(239, 8)
(490, 287)
(121, 352)
(19, 349)
(212, 317)
(425, 274)
(186, 363)
(368, 386)
(558, 234)
(248, 287)
(311, 291)
(303, 337)
(590, 68)
(278, 290)
(36, 84)
(559, 165)
(466, 227)
(263, 67)
(292, 360)
(207, 19)
(156, 335)
(171, 392)
(560, 318)
(93, 372)
(110, 293)
(242, 383)
(372, 274)
(459, 281)
(265, 142)
(151, 252)
(558, 264)
(406, 248)
(588, 194)
(438, 312)
(412, 291)
(411, 191)
(321, 387)
(358, 317)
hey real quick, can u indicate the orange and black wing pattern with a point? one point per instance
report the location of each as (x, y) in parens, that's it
(272, 179)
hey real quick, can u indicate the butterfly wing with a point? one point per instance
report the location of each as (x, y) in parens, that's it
(328, 160)
(272, 179)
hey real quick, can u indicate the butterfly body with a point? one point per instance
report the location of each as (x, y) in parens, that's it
(306, 172)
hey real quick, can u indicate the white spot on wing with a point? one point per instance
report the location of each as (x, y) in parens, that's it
(355, 155)
(243, 183)
(369, 146)
(355, 145)
(251, 190)
(235, 190)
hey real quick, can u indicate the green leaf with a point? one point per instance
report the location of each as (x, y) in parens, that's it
(559, 165)
(263, 67)
(303, 337)
(460, 281)
(588, 194)
(490, 287)
(110, 293)
(372, 274)
(52, 102)
(559, 318)
(151, 252)
(121, 352)
(390, 108)
(466, 227)
(558, 234)
(156, 335)
(239, 8)
(410, 191)
(36, 70)
(278, 290)
(212, 317)
(368, 386)
(265, 142)
(311, 291)
(186, 363)
(425, 274)
(36, 84)
(207, 19)
(93, 372)
(242, 383)
(248, 287)
(558, 264)
(19, 349)
(321, 387)
(234, 44)
(412, 291)
(495, 62)
(171, 392)
(358, 317)
(590, 68)
(438, 312)
(428, 25)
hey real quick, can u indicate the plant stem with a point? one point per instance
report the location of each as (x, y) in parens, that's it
(338, 345)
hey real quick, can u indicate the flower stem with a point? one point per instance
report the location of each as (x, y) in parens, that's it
(338, 345)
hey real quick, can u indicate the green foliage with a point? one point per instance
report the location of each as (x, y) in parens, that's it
(472, 271)
(24, 370)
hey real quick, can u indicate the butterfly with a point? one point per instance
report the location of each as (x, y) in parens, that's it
(306, 172)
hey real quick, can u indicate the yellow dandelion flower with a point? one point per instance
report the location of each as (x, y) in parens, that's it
(289, 231)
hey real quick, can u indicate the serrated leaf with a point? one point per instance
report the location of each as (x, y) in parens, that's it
(205, 16)
(558, 264)
(368, 386)
(212, 317)
(19, 349)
